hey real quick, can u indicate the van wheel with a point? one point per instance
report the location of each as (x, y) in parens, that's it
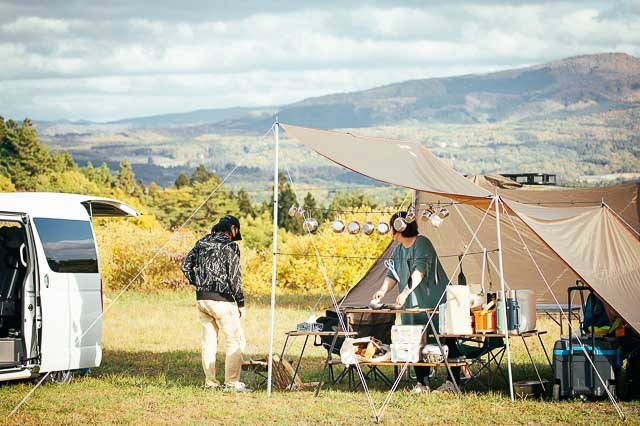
(60, 377)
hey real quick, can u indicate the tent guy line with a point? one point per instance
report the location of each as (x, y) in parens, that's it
(144, 267)
(430, 320)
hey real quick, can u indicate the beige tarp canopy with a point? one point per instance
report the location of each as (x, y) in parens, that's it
(563, 234)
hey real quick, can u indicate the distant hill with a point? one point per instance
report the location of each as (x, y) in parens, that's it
(572, 117)
(577, 85)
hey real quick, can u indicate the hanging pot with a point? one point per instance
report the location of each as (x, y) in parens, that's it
(382, 228)
(399, 224)
(353, 227)
(411, 215)
(337, 226)
(436, 220)
(368, 228)
(310, 225)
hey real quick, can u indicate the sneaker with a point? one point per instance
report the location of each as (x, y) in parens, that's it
(420, 388)
(446, 387)
(212, 386)
(238, 387)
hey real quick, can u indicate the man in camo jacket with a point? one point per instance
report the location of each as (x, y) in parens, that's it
(213, 267)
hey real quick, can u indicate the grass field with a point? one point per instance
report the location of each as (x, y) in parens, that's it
(151, 373)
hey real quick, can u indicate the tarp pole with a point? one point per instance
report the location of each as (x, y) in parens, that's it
(273, 264)
(504, 294)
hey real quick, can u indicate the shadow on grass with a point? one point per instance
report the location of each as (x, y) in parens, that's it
(184, 368)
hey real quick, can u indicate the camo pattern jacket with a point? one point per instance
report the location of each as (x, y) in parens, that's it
(213, 266)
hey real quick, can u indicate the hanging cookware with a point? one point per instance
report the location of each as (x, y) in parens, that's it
(368, 228)
(353, 227)
(411, 215)
(293, 210)
(382, 228)
(399, 224)
(310, 225)
(337, 226)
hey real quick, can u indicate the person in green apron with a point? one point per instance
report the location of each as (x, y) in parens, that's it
(420, 278)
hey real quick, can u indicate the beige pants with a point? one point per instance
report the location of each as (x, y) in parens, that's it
(221, 316)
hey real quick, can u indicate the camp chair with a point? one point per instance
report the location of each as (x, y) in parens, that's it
(486, 353)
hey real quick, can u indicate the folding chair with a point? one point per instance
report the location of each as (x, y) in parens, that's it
(487, 354)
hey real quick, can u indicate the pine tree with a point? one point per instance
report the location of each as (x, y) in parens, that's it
(22, 156)
(200, 175)
(182, 180)
(244, 203)
(126, 180)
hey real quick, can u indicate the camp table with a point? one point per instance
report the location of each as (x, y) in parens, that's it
(307, 334)
(492, 357)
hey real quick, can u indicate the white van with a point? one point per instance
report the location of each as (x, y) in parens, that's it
(50, 285)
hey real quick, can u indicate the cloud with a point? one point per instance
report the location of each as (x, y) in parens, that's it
(87, 60)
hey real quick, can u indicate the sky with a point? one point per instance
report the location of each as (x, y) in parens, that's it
(112, 59)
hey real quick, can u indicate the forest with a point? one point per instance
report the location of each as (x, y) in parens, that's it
(174, 217)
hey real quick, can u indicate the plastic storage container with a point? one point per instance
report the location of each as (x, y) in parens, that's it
(526, 310)
(405, 352)
(457, 310)
(407, 334)
(486, 322)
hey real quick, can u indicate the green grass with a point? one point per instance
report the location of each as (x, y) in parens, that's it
(151, 373)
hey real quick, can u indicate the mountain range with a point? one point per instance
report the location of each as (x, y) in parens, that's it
(573, 92)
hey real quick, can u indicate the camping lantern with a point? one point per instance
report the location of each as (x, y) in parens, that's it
(293, 210)
(310, 225)
(368, 228)
(337, 226)
(353, 227)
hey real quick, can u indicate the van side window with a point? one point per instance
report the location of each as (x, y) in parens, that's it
(68, 245)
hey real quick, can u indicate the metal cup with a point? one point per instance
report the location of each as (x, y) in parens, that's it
(310, 225)
(293, 210)
(337, 226)
(353, 227)
(368, 228)
(399, 224)
(411, 215)
(382, 228)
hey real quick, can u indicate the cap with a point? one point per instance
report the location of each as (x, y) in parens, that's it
(231, 220)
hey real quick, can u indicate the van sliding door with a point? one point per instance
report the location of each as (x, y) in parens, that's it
(71, 304)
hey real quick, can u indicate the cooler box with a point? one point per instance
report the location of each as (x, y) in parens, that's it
(10, 351)
(405, 352)
(577, 377)
(407, 334)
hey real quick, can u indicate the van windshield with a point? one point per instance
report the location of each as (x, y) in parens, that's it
(68, 245)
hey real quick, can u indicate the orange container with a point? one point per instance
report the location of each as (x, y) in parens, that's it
(485, 322)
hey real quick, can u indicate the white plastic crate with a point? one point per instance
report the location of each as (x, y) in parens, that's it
(407, 334)
(405, 352)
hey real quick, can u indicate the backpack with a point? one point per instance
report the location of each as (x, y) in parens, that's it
(594, 313)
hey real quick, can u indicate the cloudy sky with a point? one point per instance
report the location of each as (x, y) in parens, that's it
(110, 59)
